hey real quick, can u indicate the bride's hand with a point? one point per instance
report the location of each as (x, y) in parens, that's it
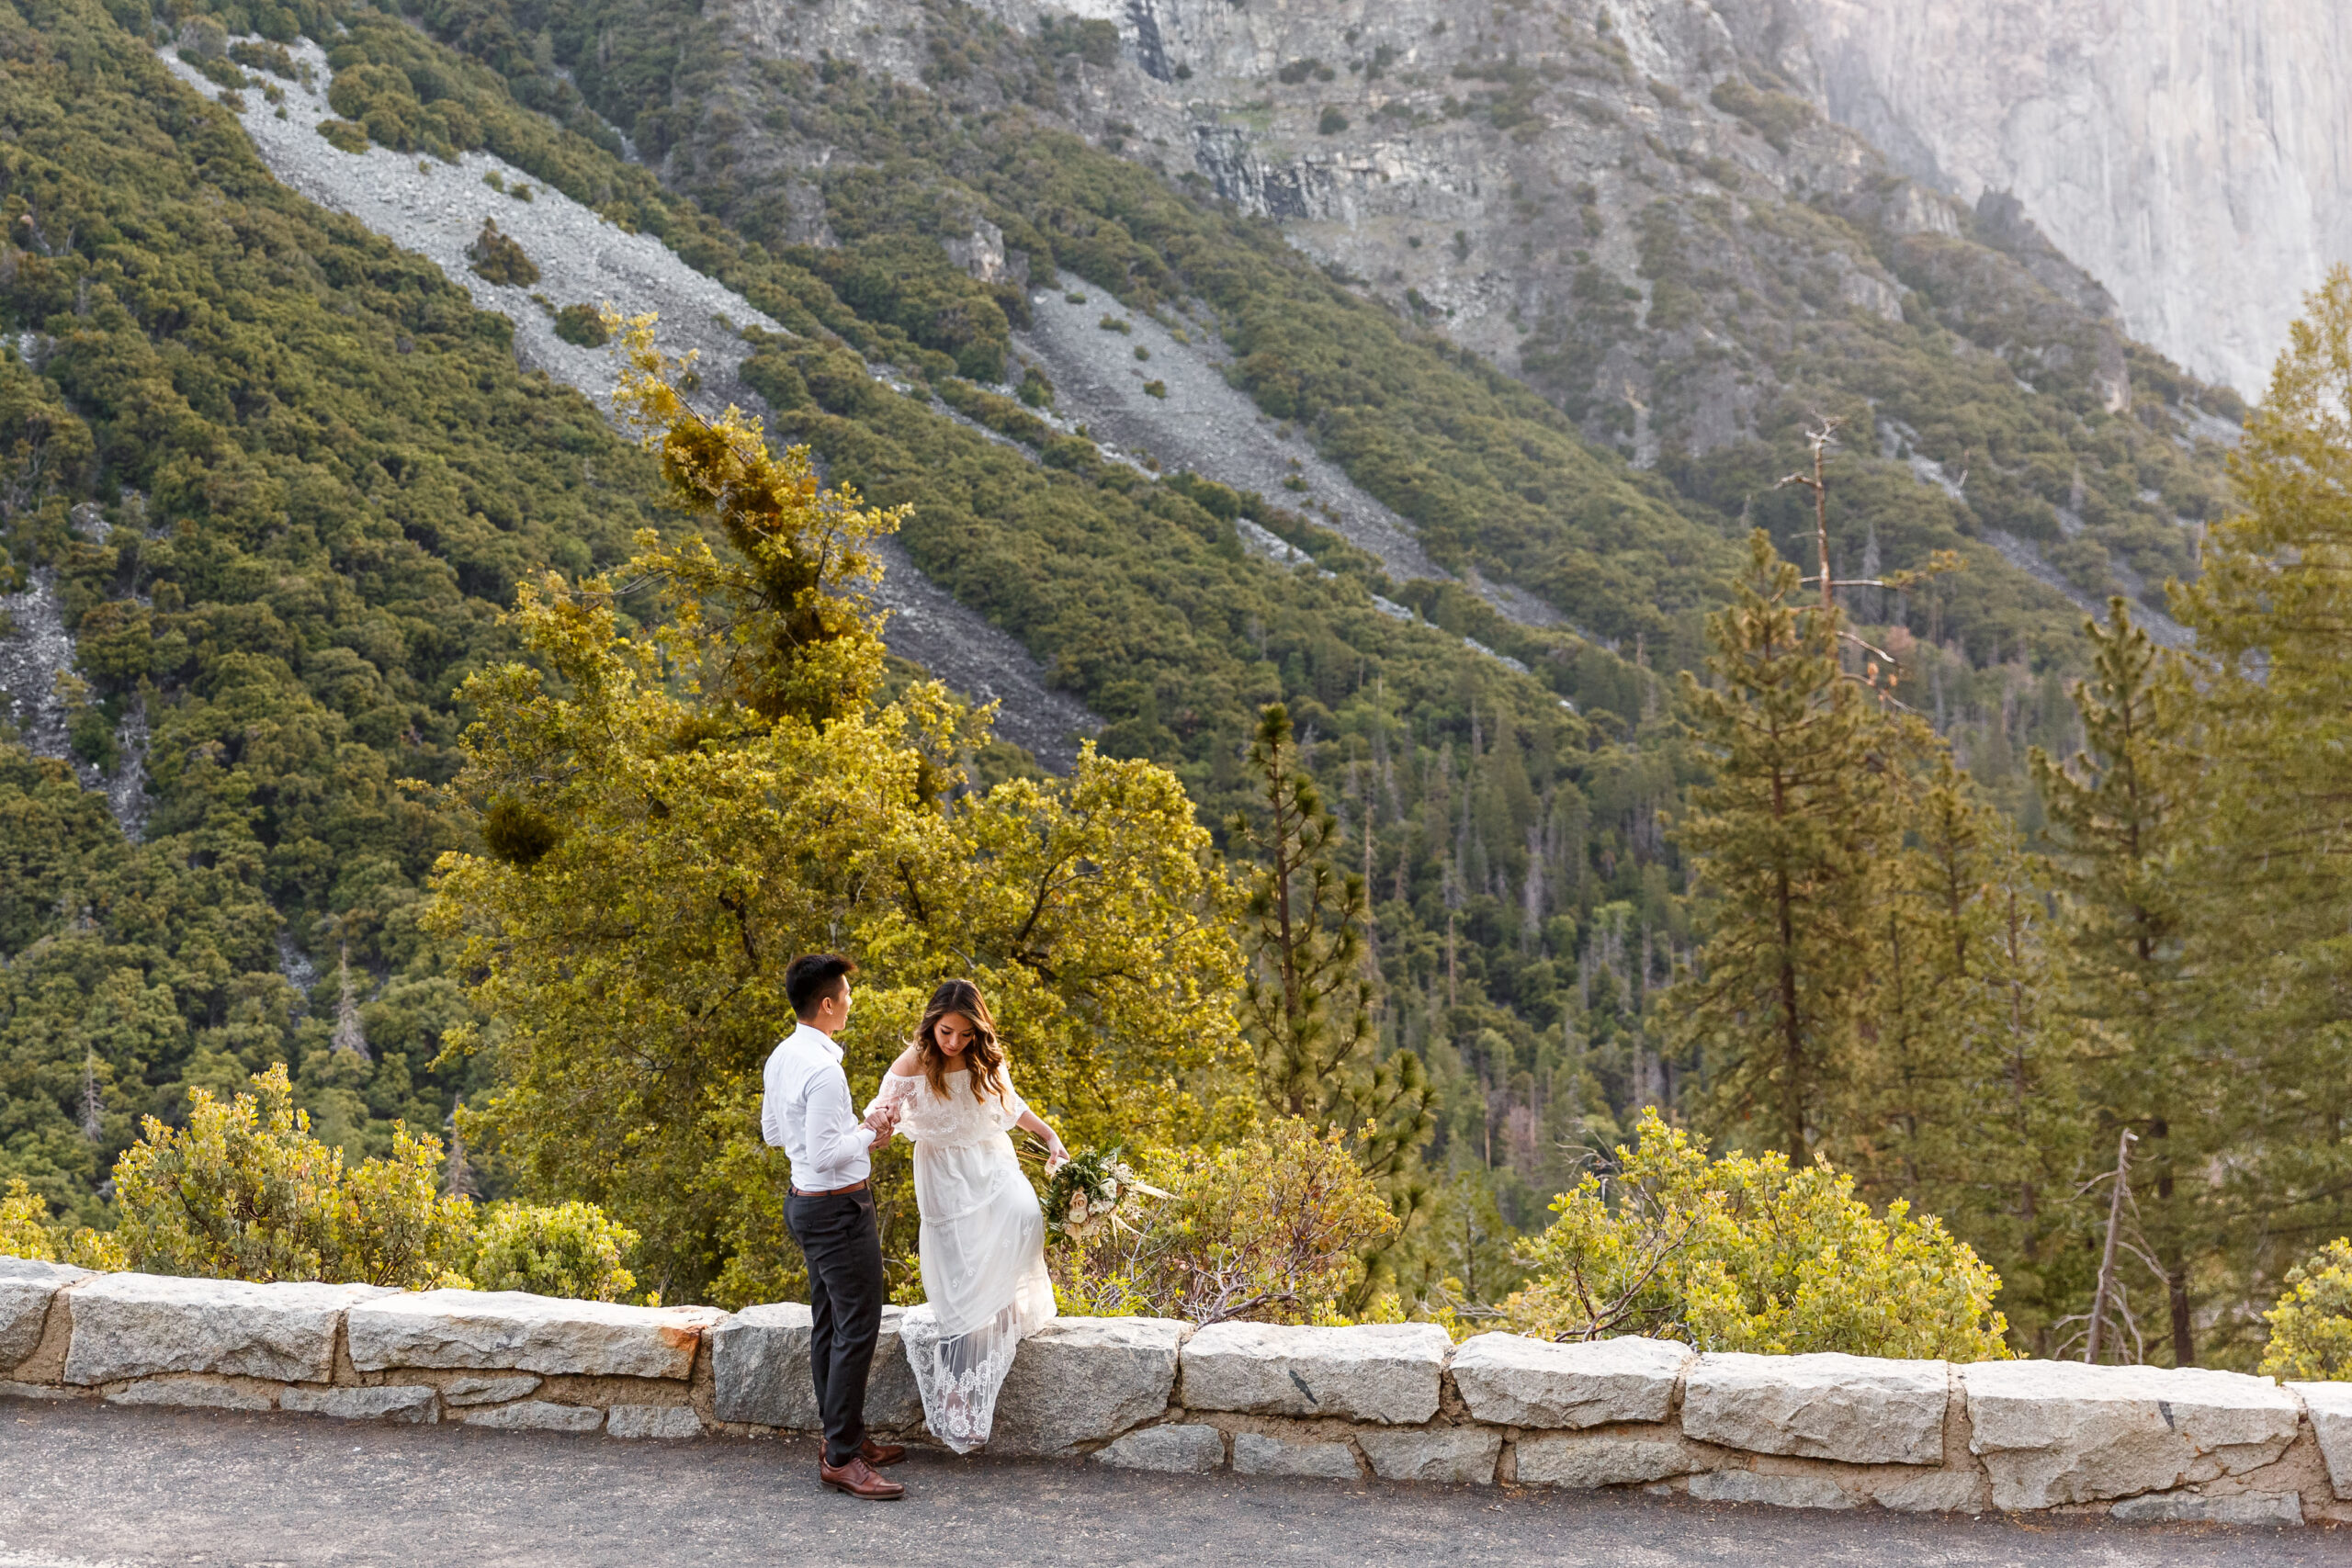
(1055, 1158)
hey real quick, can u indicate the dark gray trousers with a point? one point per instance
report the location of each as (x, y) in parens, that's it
(844, 1247)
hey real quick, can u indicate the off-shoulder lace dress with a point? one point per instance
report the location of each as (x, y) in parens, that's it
(983, 1250)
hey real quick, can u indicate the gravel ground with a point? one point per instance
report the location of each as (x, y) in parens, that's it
(87, 1485)
(438, 209)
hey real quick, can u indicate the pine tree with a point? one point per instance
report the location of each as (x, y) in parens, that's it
(2270, 901)
(2121, 811)
(1787, 842)
(1307, 997)
(1963, 1097)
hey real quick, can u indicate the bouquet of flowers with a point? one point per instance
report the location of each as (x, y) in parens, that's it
(1086, 1193)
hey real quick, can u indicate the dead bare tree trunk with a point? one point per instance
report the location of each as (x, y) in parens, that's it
(2114, 1231)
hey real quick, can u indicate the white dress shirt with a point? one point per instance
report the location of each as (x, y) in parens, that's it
(805, 1112)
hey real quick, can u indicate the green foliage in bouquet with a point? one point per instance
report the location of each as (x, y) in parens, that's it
(2310, 1328)
(1746, 1254)
(1085, 1196)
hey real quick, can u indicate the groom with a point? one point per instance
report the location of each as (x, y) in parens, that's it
(806, 1111)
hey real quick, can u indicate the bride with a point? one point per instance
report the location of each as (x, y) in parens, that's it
(983, 1243)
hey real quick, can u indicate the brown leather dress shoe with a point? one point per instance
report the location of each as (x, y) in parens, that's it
(879, 1454)
(857, 1479)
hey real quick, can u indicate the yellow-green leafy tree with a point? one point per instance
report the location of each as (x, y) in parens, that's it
(670, 812)
(1747, 1253)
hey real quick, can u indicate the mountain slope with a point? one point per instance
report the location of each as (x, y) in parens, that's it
(279, 475)
(319, 468)
(915, 197)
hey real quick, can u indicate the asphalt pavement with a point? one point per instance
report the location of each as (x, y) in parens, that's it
(86, 1486)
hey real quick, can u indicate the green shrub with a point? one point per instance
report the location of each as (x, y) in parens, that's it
(344, 135)
(1776, 117)
(2310, 1328)
(24, 1224)
(1093, 40)
(246, 1192)
(269, 57)
(1270, 1229)
(25, 1232)
(496, 258)
(1745, 1254)
(1331, 123)
(566, 1249)
(583, 325)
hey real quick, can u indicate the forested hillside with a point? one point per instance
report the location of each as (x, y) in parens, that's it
(310, 555)
(284, 477)
(1983, 412)
(279, 479)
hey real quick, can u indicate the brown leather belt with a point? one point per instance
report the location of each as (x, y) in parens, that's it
(836, 1192)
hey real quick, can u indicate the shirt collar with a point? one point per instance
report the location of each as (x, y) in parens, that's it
(819, 1038)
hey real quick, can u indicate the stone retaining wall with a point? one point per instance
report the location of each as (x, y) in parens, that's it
(1397, 1402)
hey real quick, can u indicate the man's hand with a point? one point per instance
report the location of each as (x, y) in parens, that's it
(885, 1122)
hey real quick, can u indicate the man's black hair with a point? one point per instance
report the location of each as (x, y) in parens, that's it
(812, 978)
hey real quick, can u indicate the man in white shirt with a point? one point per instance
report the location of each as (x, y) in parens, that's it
(808, 1112)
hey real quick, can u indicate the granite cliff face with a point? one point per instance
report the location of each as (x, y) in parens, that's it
(2194, 155)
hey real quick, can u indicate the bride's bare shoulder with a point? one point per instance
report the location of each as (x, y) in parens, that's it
(907, 1065)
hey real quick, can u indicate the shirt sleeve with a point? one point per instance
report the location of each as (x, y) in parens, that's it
(835, 1134)
(771, 1122)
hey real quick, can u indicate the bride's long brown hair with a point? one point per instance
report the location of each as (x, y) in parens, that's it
(985, 1054)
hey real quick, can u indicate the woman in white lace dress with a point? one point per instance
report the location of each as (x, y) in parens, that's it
(983, 1245)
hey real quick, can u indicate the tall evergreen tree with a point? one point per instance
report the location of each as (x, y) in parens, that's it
(2273, 894)
(1307, 997)
(1962, 1099)
(2121, 811)
(1786, 842)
